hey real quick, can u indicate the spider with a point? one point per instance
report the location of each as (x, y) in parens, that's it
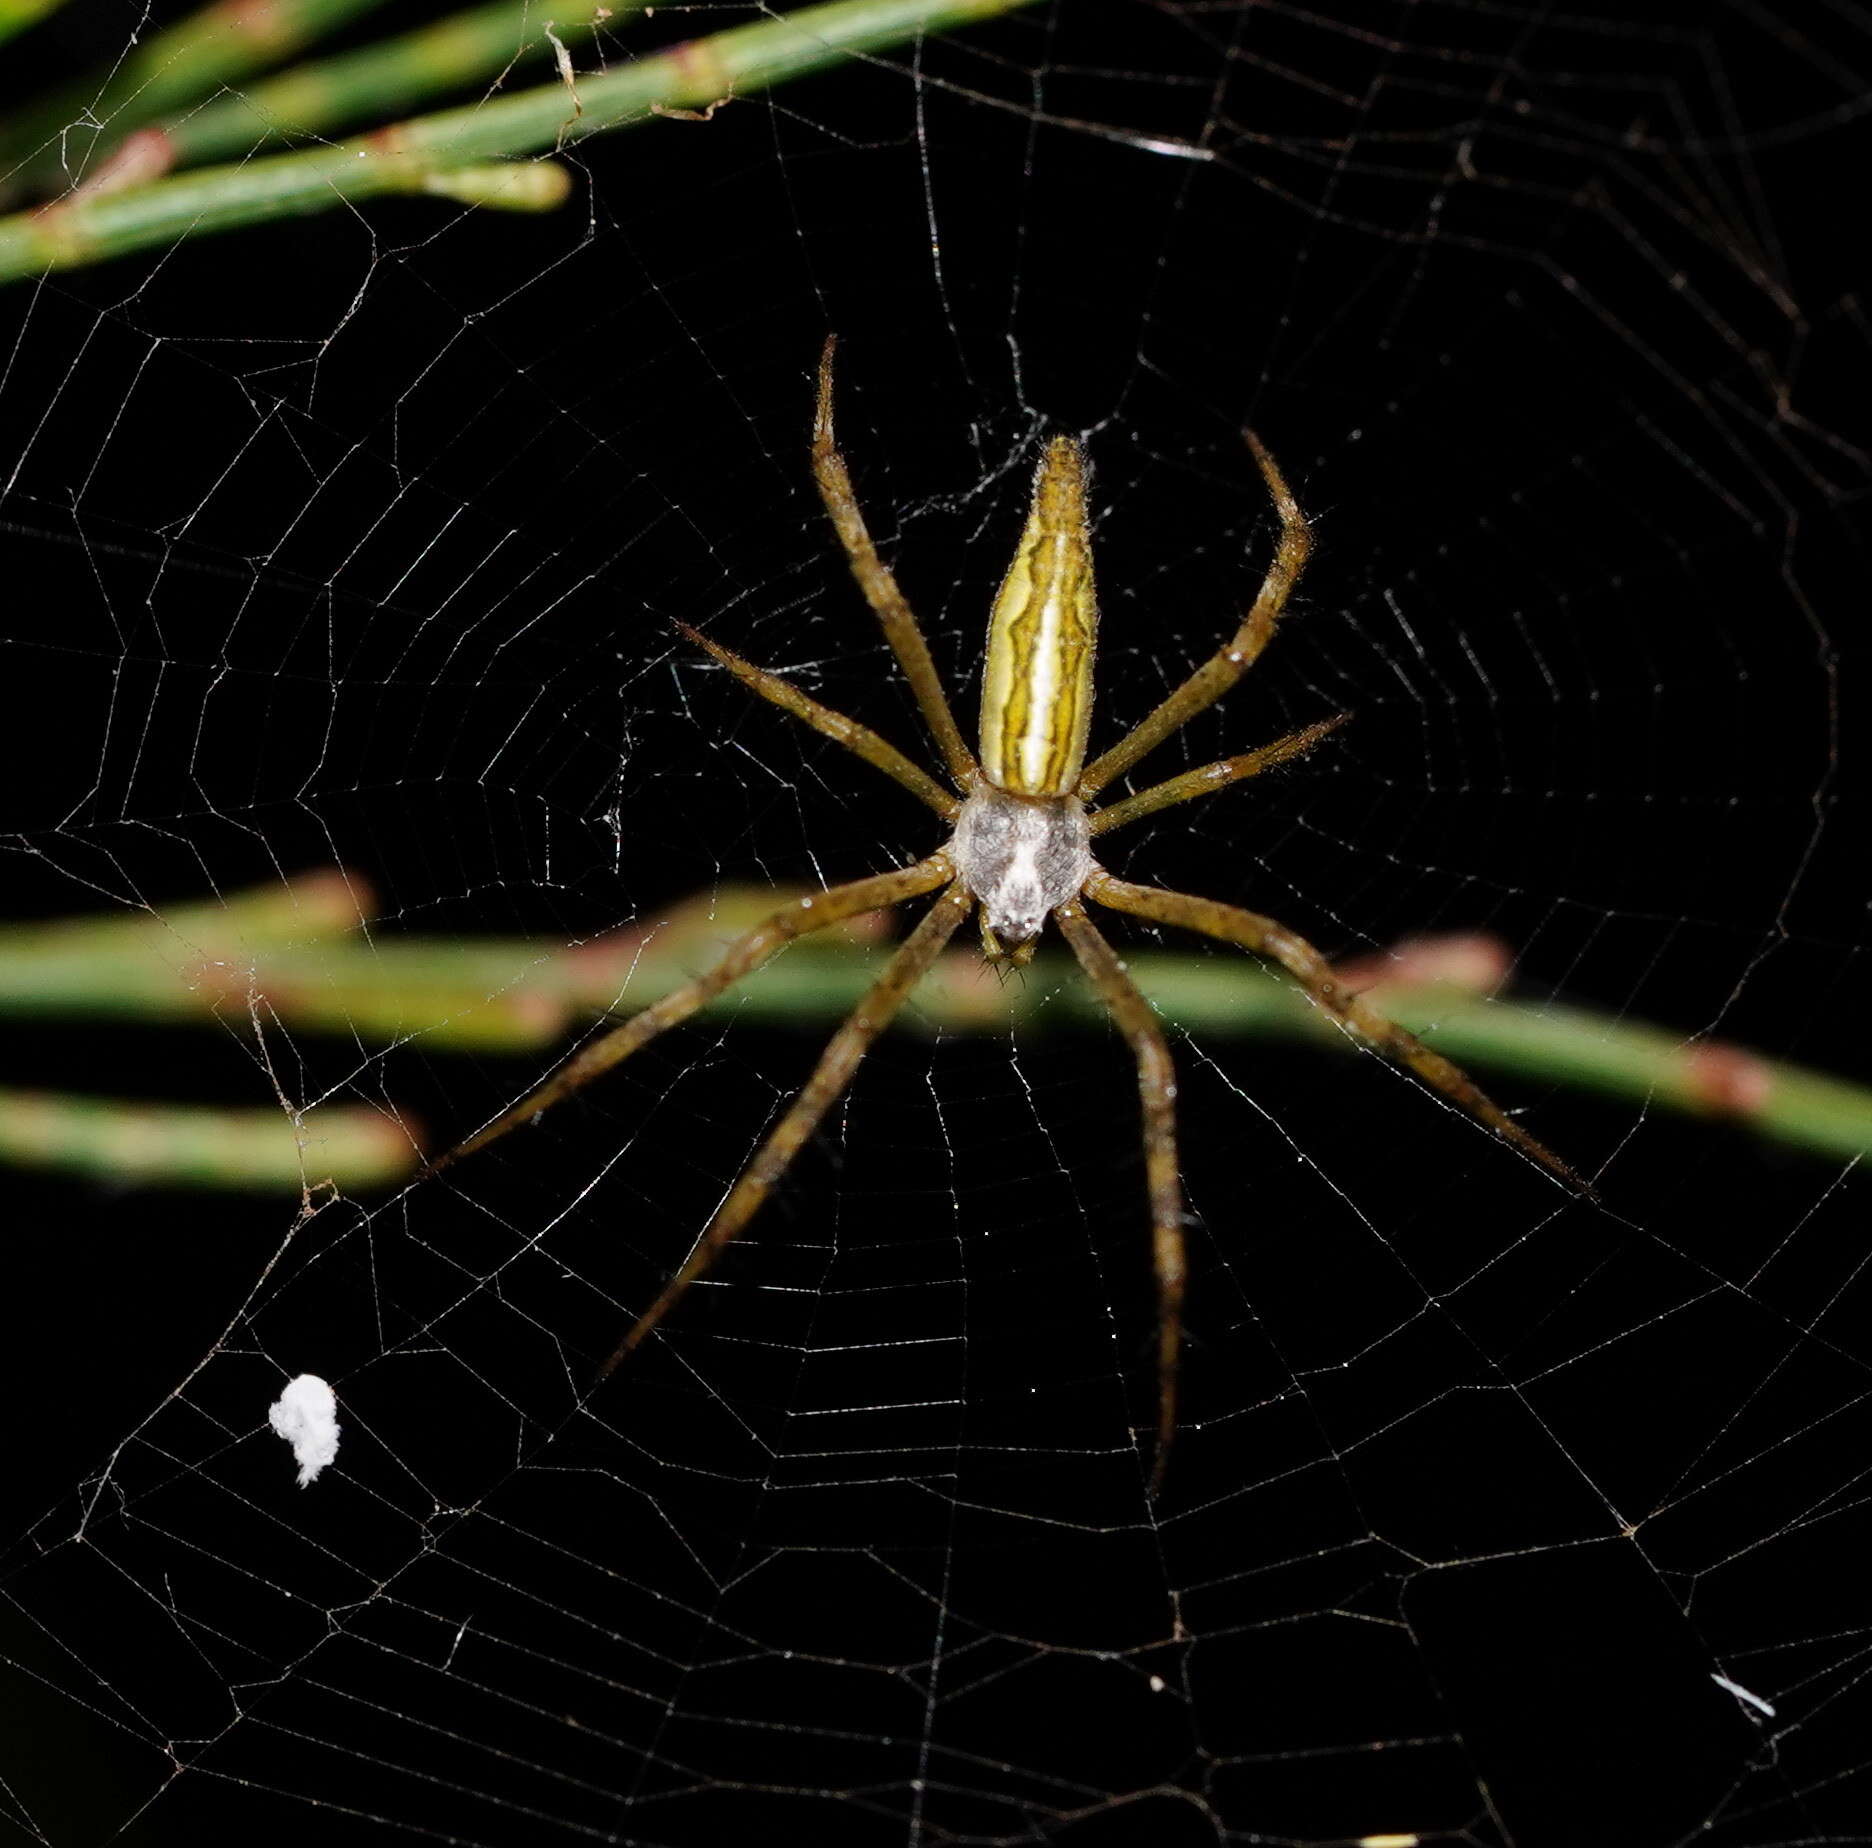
(1020, 848)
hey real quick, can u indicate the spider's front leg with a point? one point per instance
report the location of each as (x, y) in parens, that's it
(742, 958)
(1027, 858)
(1157, 1093)
(1265, 937)
(869, 1018)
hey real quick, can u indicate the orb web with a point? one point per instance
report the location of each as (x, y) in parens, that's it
(355, 543)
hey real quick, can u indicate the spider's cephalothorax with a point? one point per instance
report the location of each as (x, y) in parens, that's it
(1022, 857)
(1020, 847)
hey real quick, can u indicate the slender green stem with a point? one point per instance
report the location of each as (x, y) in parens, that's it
(168, 1145)
(17, 15)
(51, 143)
(407, 157)
(269, 953)
(326, 903)
(141, 965)
(295, 955)
(385, 79)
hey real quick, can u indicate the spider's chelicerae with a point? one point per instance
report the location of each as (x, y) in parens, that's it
(1021, 849)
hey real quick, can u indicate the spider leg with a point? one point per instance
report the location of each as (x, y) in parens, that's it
(1157, 1091)
(834, 1071)
(742, 958)
(860, 740)
(1234, 658)
(1311, 970)
(1214, 776)
(880, 587)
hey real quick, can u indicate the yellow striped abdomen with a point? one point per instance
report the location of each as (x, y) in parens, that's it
(1037, 683)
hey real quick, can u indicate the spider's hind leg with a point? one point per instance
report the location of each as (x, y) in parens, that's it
(1208, 778)
(880, 586)
(1234, 658)
(860, 740)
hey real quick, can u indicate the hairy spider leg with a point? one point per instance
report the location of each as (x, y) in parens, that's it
(742, 958)
(833, 1073)
(860, 740)
(1211, 777)
(1234, 658)
(1265, 937)
(880, 587)
(1157, 1095)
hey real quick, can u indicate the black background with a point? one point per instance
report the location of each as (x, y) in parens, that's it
(356, 539)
